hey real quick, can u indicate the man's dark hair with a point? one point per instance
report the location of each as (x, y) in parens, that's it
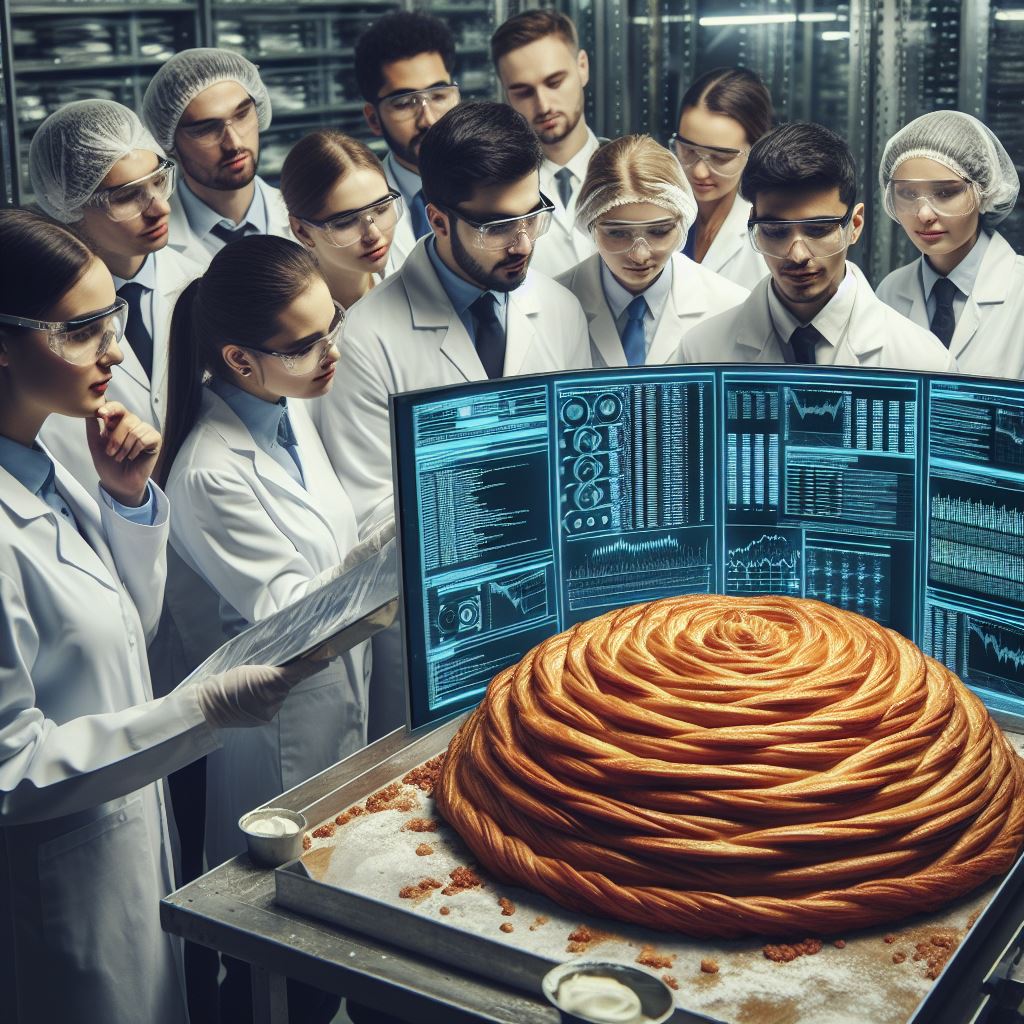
(399, 36)
(799, 157)
(474, 144)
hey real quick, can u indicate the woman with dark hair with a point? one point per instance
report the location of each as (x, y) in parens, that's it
(84, 854)
(723, 113)
(342, 209)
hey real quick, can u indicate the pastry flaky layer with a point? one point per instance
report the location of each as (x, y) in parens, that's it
(723, 766)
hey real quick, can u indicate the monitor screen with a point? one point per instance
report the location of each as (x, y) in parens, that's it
(529, 504)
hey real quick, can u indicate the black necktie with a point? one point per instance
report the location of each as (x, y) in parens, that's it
(490, 335)
(226, 234)
(944, 321)
(804, 340)
(563, 180)
(135, 332)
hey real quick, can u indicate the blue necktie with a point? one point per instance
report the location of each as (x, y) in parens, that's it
(286, 439)
(418, 208)
(944, 319)
(634, 340)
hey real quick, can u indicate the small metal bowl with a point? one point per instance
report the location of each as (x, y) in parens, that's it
(656, 1000)
(269, 851)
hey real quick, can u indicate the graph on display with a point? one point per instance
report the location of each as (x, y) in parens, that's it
(529, 504)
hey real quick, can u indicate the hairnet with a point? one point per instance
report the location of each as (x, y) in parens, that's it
(968, 148)
(188, 73)
(671, 197)
(74, 149)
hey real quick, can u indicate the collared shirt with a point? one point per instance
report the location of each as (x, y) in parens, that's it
(262, 419)
(964, 275)
(408, 182)
(202, 219)
(832, 322)
(577, 164)
(146, 277)
(34, 470)
(461, 294)
(656, 294)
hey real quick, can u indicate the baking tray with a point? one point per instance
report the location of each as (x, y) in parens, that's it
(353, 879)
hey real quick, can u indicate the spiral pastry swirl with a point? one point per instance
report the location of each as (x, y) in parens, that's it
(723, 766)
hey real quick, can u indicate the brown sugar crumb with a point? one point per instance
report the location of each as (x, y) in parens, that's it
(582, 938)
(538, 922)
(507, 928)
(462, 878)
(973, 919)
(424, 778)
(420, 825)
(784, 953)
(709, 966)
(650, 957)
(325, 831)
(424, 850)
(840, 943)
(391, 798)
(346, 816)
(307, 842)
(508, 908)
(671, 982)
(898, 957)
(422, 888)
(890, 938)
(935, 952)
(445, 911)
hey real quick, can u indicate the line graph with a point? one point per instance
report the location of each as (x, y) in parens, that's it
(995, 656)
(768, 564)
(820, 418)
(1009, 438)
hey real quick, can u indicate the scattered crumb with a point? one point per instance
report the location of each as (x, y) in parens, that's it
(650, 957)
(935, 952)
(507, 928)
(420, 825)
(424, 778)
(582, 938)
(709, 966)
(898, 957)
(325, 831)
(508, 908)
(671, 982)
(346, 816)
(424, 850)
(537, 923)
(391, 798)
(307, 842)
(462, 878)
(973, 919)
(840, 943)
(890, 938)
(422, 888)
(445, 911)
(784, 953)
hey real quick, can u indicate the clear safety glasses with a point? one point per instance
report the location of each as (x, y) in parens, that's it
(821, 236)
(505, 232)
(406, 106)
(347, 228)
(618, 236)
(82, 340)
(211, 133)
(305, 360)
(720, 161)
(123, 202)
(904, 197)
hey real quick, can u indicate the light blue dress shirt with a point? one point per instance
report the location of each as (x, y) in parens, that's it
(147, 278)
(202, 219)
(964, 275)
(408, 182)
(262, 419)
(656, 294)
(462, 294)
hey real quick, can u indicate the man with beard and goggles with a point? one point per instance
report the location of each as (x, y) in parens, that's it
(463, 306)
(543, 71)
(404, 63)
(207, 107)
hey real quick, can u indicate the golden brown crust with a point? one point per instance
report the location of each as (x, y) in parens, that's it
(726, 766)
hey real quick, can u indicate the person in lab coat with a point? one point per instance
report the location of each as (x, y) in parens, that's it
(543, 72)
(207, 107)
(722, 114)
(949, 183)
(403, 65)
(258, 512)
(343, 210)
(640, 294)
(815, 308)
(84, 845)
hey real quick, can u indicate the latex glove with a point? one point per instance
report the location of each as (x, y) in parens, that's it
(249, 695)
(362, 551)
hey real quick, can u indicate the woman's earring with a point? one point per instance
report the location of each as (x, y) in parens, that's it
(245, 371)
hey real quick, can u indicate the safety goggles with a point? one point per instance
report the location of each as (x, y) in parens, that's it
(956, 197)
(406, 106)
(618, 236)
(305, 360)
(123, 202)
(211, 133)
(821, 236)
(505, 232)
(720, 161)
(82, 340)
(349, 227)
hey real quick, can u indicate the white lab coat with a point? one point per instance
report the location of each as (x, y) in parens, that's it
(696, 294)
(182, 238)
(989, 335)
(731, 255)
(404, 240)
(84, 848)
(875, 336)
(259, 538)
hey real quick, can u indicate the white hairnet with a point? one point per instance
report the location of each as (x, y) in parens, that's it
(188, 73)
(74, 149)
(968, 148)
(671, 197)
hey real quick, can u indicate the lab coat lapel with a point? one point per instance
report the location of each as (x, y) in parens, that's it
(404, 240)
(520, 335)
(604, 336)
(908, 298)
(992, 287)
(754, 329)
(277, 213)
(173, 273)
(866, 332)
(731, 237)
(685, 302)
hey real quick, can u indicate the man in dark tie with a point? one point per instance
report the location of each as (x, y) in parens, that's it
(404, 63)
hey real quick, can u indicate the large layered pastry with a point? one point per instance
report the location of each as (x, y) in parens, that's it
(728, 766)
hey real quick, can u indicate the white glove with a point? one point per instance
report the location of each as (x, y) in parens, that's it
(360, 553)
(248, 695)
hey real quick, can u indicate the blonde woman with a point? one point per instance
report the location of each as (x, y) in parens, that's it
(641, 295)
